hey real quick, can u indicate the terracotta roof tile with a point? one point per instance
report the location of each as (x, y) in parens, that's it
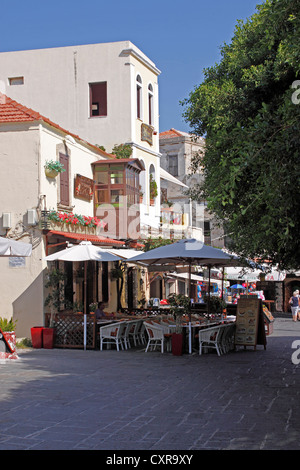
(91, 238)
(169, 134)
(12, 111)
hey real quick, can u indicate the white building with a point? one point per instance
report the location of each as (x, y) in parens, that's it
(106, 93)
(27, 141)
(177, 150)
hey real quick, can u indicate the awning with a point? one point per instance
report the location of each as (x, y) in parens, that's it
(185, 276)
(124, 253)
(10, 247)
(164, 175)
(95, 239)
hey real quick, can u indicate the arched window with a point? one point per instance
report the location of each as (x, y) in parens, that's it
(139, 97)
(150, 104)
(152, 185)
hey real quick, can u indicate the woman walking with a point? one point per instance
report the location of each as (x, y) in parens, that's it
(294, 302)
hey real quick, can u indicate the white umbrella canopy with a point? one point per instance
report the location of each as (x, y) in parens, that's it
(85, 251)
(10, 247)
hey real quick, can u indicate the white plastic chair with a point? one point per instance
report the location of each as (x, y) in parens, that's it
(130, 332)
(156, 336)
(228, 338)
(113, 334)
(221, 338)
(209, 338)
(168, 331)
(134, 332)
(141, 337)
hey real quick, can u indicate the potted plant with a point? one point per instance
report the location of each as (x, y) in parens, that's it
(153, 190)
(53, 168)
(93, 307)
(217, 305)
(179, 306)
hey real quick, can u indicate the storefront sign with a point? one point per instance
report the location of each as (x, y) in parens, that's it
(147, 133)
(83, 187)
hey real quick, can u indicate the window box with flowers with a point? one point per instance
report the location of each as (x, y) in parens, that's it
(67, 221)
(53, 168)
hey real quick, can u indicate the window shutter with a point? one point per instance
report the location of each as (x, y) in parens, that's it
(64, 180)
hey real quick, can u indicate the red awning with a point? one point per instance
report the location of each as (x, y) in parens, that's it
(90, 238)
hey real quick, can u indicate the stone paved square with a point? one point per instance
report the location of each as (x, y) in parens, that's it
(59, 399)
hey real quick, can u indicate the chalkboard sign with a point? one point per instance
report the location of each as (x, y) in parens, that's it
(250, 329)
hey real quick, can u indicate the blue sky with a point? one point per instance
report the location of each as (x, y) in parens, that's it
(180, 37)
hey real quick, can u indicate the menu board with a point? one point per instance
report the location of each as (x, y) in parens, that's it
(247, 320)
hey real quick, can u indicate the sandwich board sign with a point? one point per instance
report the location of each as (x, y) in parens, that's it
(250, 329)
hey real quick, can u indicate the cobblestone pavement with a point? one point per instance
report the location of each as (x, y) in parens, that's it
(131, 400)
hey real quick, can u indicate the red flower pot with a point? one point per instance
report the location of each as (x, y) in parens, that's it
(177, 341)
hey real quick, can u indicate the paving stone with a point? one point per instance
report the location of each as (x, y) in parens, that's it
(91, 400)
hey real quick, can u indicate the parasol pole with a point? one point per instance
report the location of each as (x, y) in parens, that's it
(84, 307)
(85, 287)
(222, 283)
(190, 307)
(208, 305)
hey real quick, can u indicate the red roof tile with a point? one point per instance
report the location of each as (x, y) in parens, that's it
(12, 111)
(90, 238)
(169, 134)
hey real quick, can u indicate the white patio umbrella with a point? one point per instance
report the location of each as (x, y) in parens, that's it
(85, 251)
(9, 247)
(187, 252)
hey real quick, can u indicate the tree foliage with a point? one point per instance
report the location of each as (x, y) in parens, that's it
(151, 243)
(248, 110)
(122, 151)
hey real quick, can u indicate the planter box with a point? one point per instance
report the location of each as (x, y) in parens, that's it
(51, 173)
(48, 335)
(37, 336)
(177, 343)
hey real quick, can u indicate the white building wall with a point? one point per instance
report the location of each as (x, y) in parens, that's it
(21, 279)
(80, 161)
(56, 84)
(24, 149)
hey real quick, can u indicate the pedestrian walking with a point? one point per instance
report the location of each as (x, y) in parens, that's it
(294, 302)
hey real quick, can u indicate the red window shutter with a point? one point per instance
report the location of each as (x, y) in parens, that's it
(64, 180)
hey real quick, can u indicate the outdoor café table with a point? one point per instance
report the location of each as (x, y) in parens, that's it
(196, 326)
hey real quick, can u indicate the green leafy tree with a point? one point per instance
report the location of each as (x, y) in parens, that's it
(151, 243)
(122, 151)
(248, 110)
